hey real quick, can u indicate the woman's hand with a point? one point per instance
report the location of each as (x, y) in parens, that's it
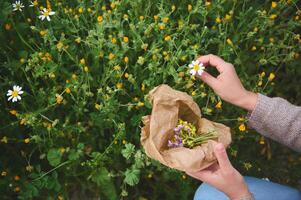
(223, 176)
(227, 84)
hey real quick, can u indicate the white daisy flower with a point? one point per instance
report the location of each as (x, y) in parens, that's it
(46, 14)
(14, 95)
(33, 3)
(196, 67)
(18, 6)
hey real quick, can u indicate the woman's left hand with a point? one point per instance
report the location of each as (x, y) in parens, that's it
(223, 175)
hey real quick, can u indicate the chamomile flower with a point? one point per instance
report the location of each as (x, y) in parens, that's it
(196, 68)
(33, 3)
(45, 13)
(14, 95)
(18, 6)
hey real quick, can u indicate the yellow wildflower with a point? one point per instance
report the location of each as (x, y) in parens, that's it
(271, 76)
(165, 20)
(242, 127)
(68, 91)
(99, 19)
(113, 5)
(111, 56)
(167, 38)
(13, 112)
(59, 45)
(26, 141)
(125, 39)
(82, 61)
(4, 140)
(113, 40)
(97, 106)
(259, 83)
(78, 40)
(7, 27)
(274, 4)
(273, 16)
(126, 59)
(59, 98)
(218, 105)
(218, 20)
(140, 104)
(119, 85)
(142, 87)
(229, 41)
(189, 7)
(173, 8)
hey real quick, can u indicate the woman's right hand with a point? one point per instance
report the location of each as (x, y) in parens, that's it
(227, 85)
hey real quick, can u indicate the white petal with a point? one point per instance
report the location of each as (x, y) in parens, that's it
(20, 92)
(200, 72)
(19, 97)
(190, 65)
(194, 62)
(15, 99)
(192, 72)
(51, 13)
(9, 92)
(45, 10)
(48, 18)
(15, 87)
(9, 98)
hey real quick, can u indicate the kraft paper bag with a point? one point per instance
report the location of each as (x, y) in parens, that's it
(167, 106)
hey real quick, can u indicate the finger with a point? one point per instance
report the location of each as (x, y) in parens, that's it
(222, 157)
(203, 175)
(213, 60)
(209, 79)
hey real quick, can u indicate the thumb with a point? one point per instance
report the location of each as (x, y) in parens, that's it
(209, 80)
(222, 157)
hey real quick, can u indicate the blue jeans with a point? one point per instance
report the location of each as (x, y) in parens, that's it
(261, 189)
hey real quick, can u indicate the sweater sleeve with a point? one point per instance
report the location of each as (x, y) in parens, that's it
(277, 119)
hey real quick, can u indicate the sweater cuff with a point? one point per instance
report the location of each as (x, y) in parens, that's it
(257, 117)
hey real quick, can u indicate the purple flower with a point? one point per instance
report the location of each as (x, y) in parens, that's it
(175, 141)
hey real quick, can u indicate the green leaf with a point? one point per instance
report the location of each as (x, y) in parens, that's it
(54, 157)
(103, 180)
(132, 176)
(73, 155)
(128, 150)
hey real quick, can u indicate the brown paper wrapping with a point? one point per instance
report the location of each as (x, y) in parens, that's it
(169, 105)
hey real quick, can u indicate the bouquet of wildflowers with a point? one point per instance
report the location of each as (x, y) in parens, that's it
(177, 135)
(185, 134)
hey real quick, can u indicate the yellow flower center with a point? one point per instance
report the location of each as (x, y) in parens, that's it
(14, 93)
(46, 13)
(196, 67)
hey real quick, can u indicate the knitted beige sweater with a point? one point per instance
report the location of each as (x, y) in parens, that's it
(277, 119)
